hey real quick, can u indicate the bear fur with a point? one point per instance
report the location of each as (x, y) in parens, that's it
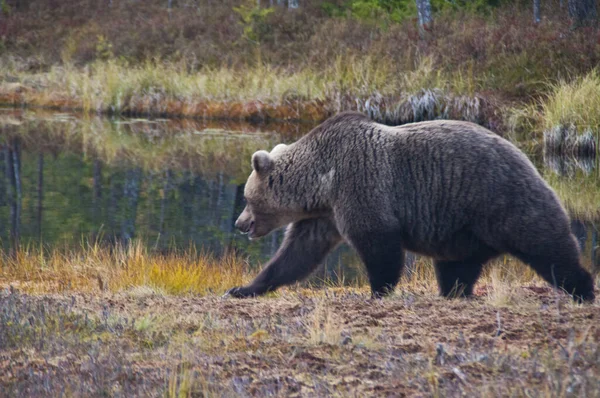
(450, 190)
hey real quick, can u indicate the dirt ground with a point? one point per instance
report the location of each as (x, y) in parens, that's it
(300, 342)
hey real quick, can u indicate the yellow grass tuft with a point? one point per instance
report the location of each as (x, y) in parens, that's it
(323, 327)
(94, 268)
(139, 272)
(576, 102)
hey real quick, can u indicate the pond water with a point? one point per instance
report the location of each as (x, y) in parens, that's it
(65, 180)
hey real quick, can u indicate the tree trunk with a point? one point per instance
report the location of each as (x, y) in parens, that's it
(97, 194)
(10, 193)
(595, 249)
(131, 193)
(583, 12)
(199, 207)
(40, 195)
(219, 199)
(238, 207)
(113, 204)
(13, 173)
(425, 18)
(536, 11)
(163, 204)
(19, 194)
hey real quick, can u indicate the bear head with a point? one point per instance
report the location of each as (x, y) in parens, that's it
(266, 206)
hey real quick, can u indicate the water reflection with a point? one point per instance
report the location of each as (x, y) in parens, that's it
(63, 179)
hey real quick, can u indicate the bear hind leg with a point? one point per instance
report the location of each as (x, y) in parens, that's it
(458, 278)
(383, 258)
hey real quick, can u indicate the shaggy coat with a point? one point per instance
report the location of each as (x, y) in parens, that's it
(450, 190)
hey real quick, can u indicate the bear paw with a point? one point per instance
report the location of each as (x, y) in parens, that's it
(240, 292)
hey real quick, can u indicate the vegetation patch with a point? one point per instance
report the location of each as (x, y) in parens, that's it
(94, 268)
(331, 342)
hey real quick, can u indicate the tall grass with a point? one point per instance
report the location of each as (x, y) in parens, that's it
(139, 271)
(574, 102)
(255, 92)
(94, 268)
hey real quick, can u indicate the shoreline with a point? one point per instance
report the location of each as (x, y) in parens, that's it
(250, 112)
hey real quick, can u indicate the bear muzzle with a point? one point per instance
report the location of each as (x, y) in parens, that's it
(245, 226)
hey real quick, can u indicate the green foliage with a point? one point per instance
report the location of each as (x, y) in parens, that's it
(380, 11)
(4, 7)
(103, 48)
(254, 20)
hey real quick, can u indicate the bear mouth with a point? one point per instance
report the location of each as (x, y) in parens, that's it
(252, 230)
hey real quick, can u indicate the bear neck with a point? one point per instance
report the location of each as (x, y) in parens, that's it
(304, 177)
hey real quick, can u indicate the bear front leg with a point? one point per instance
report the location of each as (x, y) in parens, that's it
(383, 257)
(305, 246)
(559, 264)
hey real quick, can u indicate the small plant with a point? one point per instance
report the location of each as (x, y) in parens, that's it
(103, 48)
(322, 326)
(4, 7)
(254, 20)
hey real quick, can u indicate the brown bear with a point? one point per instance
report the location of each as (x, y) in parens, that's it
(450, 190)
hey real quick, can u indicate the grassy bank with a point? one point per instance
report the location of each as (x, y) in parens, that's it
(259, 93)
(567, 115)
(233, 60)
(157, 89)
(263, 94)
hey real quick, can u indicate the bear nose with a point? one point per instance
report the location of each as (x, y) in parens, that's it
(244, 225)
(237, 223)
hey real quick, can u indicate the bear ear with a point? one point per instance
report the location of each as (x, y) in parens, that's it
(262, 162)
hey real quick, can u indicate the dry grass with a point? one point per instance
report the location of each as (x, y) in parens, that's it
(574, 102)
(97, 269)
(141, 272)
(568, 115)
(258, 92)
(129, 322)
(323, 326)
(328, 343)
